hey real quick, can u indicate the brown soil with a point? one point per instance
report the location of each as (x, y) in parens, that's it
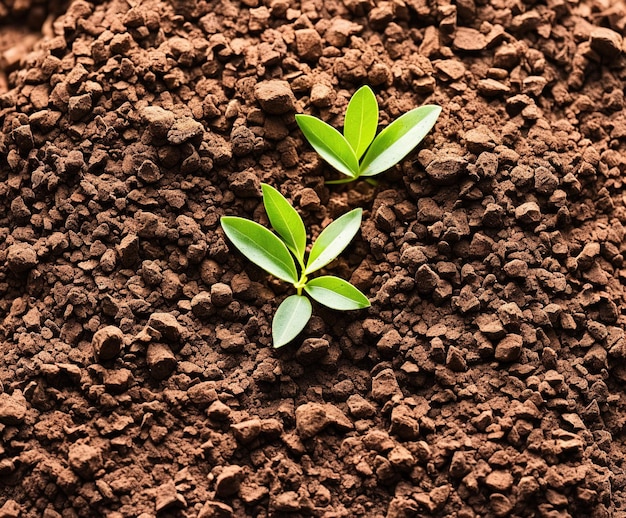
(137, 373)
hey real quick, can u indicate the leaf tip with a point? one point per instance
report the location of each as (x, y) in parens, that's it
(364, 87)
(435, 111)
(358, 212)
(265, 188)
(300, 117)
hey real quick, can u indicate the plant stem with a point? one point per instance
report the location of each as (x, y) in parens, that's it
(300, 284)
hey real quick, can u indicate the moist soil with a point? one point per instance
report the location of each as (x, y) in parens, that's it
(138, 377)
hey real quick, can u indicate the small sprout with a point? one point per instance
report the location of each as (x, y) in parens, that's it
(276, 253)
(359, 151)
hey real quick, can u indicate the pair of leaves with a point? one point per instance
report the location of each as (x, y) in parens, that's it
(275, 254)
(359, 151)
(272, 253)
(289, 225)
(295, 311)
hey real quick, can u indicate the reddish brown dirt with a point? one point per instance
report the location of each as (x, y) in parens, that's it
(137, 373)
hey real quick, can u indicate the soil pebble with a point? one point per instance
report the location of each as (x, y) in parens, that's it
(468, 39)
(85, 460)
(21, 258)
(275, 97)
(312, 418)
(229, 480)
(107, 343)
(161, 360)
(12, 409)
(606, 42)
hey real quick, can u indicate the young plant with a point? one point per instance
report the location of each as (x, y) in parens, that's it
(276, 253)
(359, 151)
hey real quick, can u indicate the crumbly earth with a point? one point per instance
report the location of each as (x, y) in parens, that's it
(137, 373)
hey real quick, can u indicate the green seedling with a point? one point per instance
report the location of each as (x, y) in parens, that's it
(359, 151)
(276, 254)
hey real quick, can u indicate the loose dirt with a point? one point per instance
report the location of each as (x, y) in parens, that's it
(137, 373)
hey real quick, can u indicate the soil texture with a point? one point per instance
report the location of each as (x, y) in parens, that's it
(137, 374)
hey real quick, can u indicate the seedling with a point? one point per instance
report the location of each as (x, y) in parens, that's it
(359, 151)
(276, 254)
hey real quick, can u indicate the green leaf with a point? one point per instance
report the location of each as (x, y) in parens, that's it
(361, 120)
(261, 246)
(330, 144)
(285, 220)
(333, 239)
(398, 139)
(290, 318)
(336, 293)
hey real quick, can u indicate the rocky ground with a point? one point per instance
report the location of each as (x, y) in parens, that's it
(137, 373)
